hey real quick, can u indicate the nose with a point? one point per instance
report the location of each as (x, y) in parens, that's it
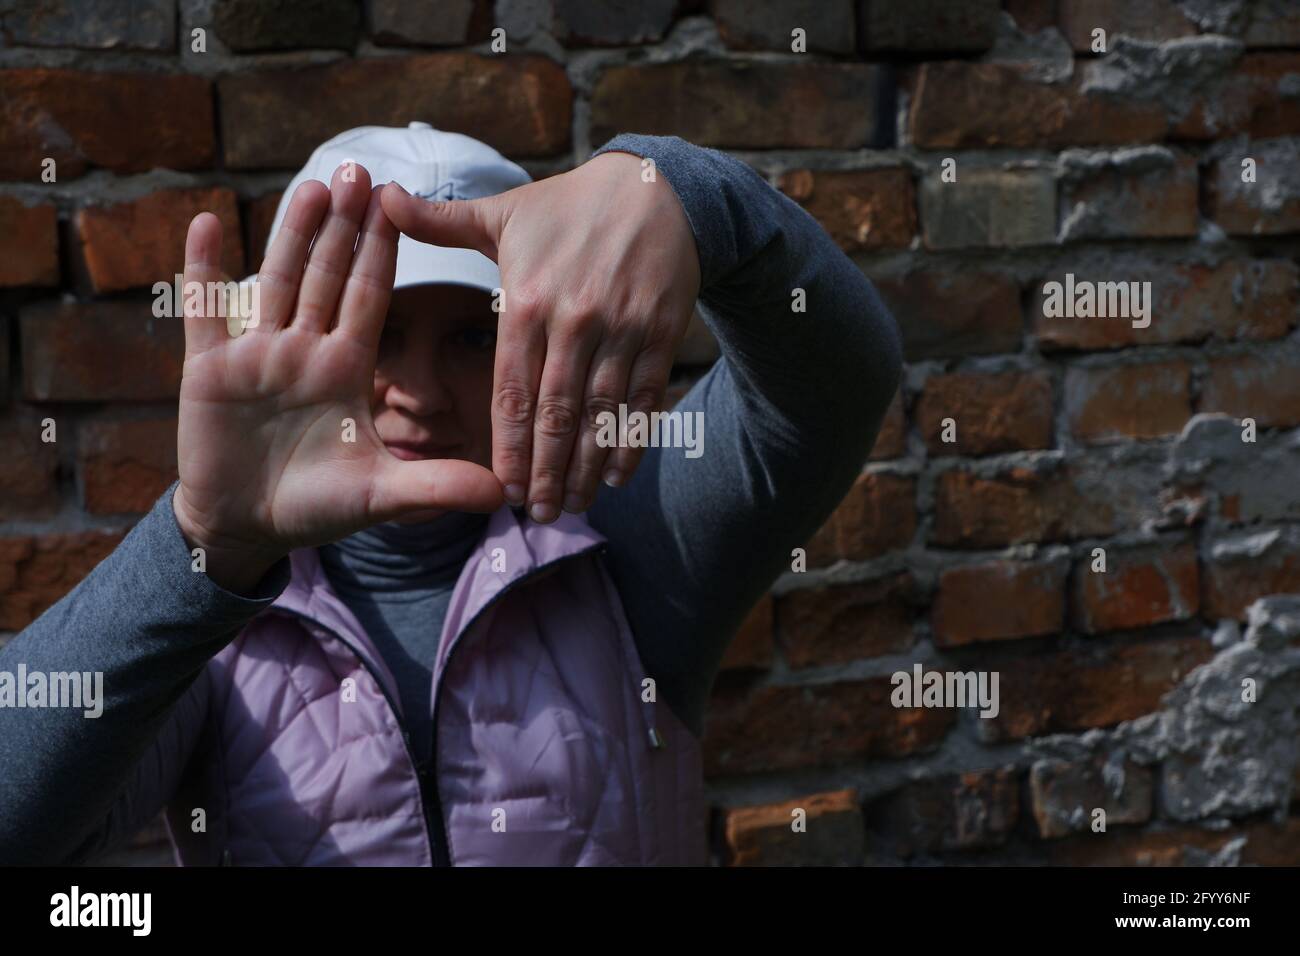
(414, 385)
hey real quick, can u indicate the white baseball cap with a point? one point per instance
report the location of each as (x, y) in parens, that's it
(427, 162)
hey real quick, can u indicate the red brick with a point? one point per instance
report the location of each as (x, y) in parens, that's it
(891, 442)
(100, 351)
(989, 207)
(1140, 587)
(1149, 196)
(29, 481)
(1064, 795)
(1020, 505)
(789, 727)
(1237, 299)
(927, 26)
(860, 209)
(835, 625)
(966, 811)
(1268, 206)
(1099, 686)
(1124, 402)
(259, 216)
(877, 515)
(828, 24)
(1265, 387)
(142, 242)
(1273, 23)
(1267, 843)
(999, 600)
(1244, 100)
(968, 105)
(752, 645)
(1245, 567)
(36, 571)
(992, 412)
(520, 105)
(770, 105)
(29, 244)
(765, 835)
(126, 464)
(1140, 19)
(1031, 16)
(126, 122)
(945, 315)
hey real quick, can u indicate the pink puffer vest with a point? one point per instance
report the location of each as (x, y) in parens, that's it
(547, 753)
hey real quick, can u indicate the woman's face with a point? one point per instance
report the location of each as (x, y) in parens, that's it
(433, 376)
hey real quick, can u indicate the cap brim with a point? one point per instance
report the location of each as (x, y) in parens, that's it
(419, 263)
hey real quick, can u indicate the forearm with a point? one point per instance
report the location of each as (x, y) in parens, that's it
(142, 625)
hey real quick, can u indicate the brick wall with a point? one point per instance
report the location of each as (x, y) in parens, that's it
(965, 154)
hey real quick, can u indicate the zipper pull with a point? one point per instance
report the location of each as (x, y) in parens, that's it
(657, 741)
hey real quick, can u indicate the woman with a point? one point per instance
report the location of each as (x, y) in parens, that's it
(389, 613)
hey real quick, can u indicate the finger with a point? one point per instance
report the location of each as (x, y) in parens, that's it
(281, 272)
(400, 487)
(202, 266)
(556, 421)
(368, 291)
(606, 390)
(330, 257)
(456, 223)
(517, 370)
(646, 386)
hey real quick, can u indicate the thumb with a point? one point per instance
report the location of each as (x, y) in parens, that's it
(458, 223)
(449, 484)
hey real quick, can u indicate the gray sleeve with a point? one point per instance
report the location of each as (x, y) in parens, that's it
(73, 785)
(790, 413)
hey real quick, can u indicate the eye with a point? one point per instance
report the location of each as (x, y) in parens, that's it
(477, 339)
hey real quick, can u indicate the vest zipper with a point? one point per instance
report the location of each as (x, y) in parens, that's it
(443, 845)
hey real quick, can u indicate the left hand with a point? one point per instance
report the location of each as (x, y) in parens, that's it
(600, 275)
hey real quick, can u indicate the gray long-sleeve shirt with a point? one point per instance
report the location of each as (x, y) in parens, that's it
(791, 411)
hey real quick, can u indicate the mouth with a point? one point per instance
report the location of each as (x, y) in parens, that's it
(419, 451)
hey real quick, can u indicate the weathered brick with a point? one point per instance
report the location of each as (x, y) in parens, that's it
(1270, 205)
(520, 105)
(828, 25)
(1272, 23)
(100, 351)
(1140, 587)
(927, 26)
(966, 105)
(891, 442)
(861, 209)
(35, 571)
(788, 727)
(1139, 19)
(103, 25)
(141, 242)
(966, 811)
(989, 207)
(1065, 794)
(1124, 402)
(832, 834)
(126, 122)
(29, 481)
(833, 625)
(752, 647)
(999, 600)
(877, 515)
(579, 23)
(942, 314)
(259, 216)
(1257, 96)
(1099, 686)
(1031, 16)
(1147, 193)
(247, 26)
(125, 464)
(1237, 299)
(29, 244)
(1243, 567)
(1019, 505)
(991, 413)
(429, 22)
(1263, 386)
(770, 105)
(1266, 843)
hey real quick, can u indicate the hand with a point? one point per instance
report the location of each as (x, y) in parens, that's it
(600, 275)
(266, 456)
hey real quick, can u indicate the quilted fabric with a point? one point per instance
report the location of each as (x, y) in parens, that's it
(546, 752)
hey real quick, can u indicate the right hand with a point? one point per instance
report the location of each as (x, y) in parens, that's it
(263, 461)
